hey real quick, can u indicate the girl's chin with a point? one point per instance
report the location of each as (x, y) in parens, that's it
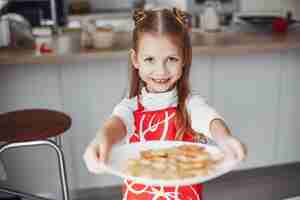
(159, 89)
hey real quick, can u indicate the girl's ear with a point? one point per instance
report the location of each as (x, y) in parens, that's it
(134, 59)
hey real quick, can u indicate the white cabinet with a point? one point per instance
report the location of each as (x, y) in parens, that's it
(260, 5)
(288, 137)
(90, 91)
(245, 91)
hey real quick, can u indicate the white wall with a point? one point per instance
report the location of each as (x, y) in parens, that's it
(258, 96)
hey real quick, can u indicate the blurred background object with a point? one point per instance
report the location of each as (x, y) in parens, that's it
(39, 12)
(79, 7)
(210, 18)
(138, 4)
(19, 31)
(96, 35)
(4, 28)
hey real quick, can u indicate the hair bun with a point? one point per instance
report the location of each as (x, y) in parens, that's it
(138, 15)
(181, 16)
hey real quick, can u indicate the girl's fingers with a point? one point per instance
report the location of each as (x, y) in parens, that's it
(92, 159)
(233, 149)
(242, 152)
(104, 153)
(229, 153)
(238, 149)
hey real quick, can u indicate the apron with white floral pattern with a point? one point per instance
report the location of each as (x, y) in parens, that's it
(157, 125)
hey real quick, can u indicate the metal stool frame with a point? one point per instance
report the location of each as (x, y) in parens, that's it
(61, 164)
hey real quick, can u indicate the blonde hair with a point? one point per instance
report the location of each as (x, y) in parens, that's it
(174, 24)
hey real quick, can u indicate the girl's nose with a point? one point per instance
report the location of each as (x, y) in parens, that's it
(161, 69)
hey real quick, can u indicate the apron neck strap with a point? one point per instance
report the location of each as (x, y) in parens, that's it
(140, 106)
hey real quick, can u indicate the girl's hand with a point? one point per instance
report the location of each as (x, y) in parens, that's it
(96, 155)
(233, 148)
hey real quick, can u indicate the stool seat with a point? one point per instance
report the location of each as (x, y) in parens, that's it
(32, 124)
(30, 128)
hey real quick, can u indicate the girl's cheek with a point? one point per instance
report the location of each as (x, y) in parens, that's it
(174, 67)
(149, 67)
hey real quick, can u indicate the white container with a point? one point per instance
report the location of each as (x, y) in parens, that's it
(4, 33)
(102, 38)
(210, 17)
(69, 42)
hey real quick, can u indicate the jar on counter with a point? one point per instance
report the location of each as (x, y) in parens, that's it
(103, 37)
(96, 36)
(210, 18)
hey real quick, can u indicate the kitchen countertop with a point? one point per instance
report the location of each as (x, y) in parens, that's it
(268, 183)
(220, 43)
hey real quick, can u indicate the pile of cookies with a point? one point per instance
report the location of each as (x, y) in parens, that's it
(178, 162)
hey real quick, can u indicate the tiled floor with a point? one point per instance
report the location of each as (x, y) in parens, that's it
(271, 183)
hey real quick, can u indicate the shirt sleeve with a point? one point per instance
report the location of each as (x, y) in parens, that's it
(201, 114)
(124, 110)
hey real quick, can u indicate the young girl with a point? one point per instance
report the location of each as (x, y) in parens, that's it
(160, 105)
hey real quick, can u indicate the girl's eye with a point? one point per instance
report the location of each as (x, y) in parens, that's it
(149, 60)
(173, 59)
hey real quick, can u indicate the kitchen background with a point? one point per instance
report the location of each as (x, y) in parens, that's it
(194, 5)
(263, 114)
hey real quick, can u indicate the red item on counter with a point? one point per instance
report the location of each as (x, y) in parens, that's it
(280, 25)
(44, 48)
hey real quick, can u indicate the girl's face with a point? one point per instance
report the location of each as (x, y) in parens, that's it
(159, 62)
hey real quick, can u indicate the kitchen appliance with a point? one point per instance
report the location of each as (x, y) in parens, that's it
(4, 29)
(264, 20)
(39, 12)
(16, 31)
(210, 17)
(4, 33)
(228, 6)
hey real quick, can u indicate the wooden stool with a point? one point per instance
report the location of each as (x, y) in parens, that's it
(35, 127)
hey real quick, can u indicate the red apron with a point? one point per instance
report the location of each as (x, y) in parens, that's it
(157, 125)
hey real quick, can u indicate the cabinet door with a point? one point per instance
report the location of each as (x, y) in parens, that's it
(90, 92)
(261, 5)
(245, 92)
(288, 136)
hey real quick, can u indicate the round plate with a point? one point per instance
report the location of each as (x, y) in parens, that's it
(120, 154)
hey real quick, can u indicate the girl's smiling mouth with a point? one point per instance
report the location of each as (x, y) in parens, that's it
(160, 80)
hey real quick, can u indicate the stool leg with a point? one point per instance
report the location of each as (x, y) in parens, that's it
(62, 172)
(23, 195)
(61, 161)
(3, 175)
(58, 141)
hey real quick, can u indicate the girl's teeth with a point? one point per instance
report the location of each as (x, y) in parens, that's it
(160, 80)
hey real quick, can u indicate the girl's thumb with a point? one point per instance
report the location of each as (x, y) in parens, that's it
(103, 153)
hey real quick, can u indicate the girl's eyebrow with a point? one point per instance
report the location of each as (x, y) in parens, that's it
(174, 55)
(146, 55)
(171, 55)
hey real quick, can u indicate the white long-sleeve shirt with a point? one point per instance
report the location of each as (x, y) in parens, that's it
(200, 112)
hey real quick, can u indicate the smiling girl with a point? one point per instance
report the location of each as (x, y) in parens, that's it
(160, 97)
